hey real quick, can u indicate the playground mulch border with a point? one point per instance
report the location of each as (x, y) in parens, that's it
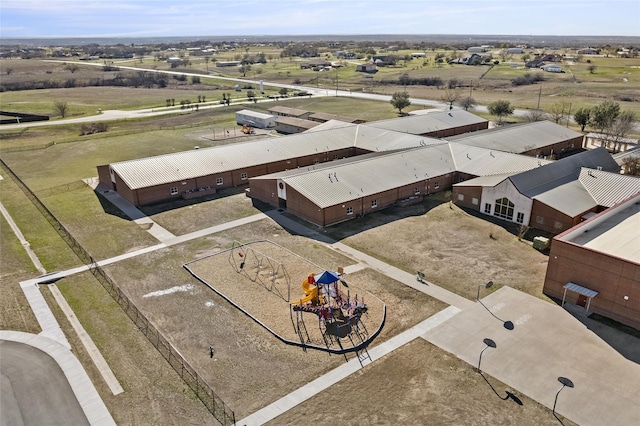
(263, 288)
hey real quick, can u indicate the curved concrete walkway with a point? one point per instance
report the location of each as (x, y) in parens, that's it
(50, 401)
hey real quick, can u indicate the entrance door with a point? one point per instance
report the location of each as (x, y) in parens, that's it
(582, 300)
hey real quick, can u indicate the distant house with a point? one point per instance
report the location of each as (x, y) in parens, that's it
(345, 55)
(552, 68)
(477, 49)
(384, 60)
(515, 51)
(588, 51)
(221, 64)
(370, 68)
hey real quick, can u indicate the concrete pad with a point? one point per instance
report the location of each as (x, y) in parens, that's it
(547, 342)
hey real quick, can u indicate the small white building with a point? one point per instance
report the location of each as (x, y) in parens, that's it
(255, 119)
(552, 68)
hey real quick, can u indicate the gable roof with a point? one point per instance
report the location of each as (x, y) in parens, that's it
(428, 123)
(518, 138)
(542, 179)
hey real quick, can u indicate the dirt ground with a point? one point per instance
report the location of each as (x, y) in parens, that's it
(251, 368)
(417, 384)
(455, 249)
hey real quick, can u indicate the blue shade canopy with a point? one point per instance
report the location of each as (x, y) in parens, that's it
(327, 277)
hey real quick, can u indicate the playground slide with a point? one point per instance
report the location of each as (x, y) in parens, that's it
(311, 292)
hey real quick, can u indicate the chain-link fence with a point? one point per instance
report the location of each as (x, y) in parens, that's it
(203, 391)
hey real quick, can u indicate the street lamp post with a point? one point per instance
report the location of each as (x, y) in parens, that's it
(489, 344)
(565, 383)
(507, 324)
(487, 285)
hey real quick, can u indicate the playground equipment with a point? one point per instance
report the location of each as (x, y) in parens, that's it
(310, 291)
(260, 268)
(338, 314)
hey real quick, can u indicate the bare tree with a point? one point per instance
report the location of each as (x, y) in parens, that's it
(558, 111)
(621, 127)
(467, 103)
(535, 115)
(631, 166)
(62, 108)
(72, 68)
(450, 96)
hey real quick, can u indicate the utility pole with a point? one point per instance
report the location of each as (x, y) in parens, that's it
(539, 94)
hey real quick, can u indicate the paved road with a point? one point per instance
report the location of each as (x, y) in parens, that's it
(35, 390)
(110, 115)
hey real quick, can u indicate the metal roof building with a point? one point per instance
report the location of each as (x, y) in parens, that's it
(436, 124)
(523, 138)
(601, 255)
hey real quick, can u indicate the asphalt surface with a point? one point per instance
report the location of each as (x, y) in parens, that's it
(34, 389)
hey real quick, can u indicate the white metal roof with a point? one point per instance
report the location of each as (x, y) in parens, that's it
(484, 162)
(346, 182)
(518, 138)
(581, 290)
(614, 231)
(570, 198)
(161, 169)
(608, 188)
(421, 124)
(256, 114)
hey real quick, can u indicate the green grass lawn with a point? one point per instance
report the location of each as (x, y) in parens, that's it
(52, 251)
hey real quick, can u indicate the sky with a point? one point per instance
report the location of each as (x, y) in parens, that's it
(157, 18)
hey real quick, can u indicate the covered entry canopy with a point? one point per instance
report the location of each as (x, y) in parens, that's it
(590, 294)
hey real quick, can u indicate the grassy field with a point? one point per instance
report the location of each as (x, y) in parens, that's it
(451, 246)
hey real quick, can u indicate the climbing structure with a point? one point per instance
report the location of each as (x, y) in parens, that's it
(338, 314)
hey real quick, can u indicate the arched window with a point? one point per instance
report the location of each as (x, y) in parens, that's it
(504, 208)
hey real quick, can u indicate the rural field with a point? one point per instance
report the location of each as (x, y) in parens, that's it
(453, 248)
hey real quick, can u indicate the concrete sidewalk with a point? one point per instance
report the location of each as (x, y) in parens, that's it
(547, 342)
(316, 386)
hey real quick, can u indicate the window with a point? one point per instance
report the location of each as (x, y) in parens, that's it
(374, 204)
(349, 210)
(436, 185)
(219, 181)
(520, 217)
(487, 208)
(174, 190)
(416, 191)
(504, 209)
(460, 197)
(474, 201)
(558, 225)
(540, 220)
(243, 176)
